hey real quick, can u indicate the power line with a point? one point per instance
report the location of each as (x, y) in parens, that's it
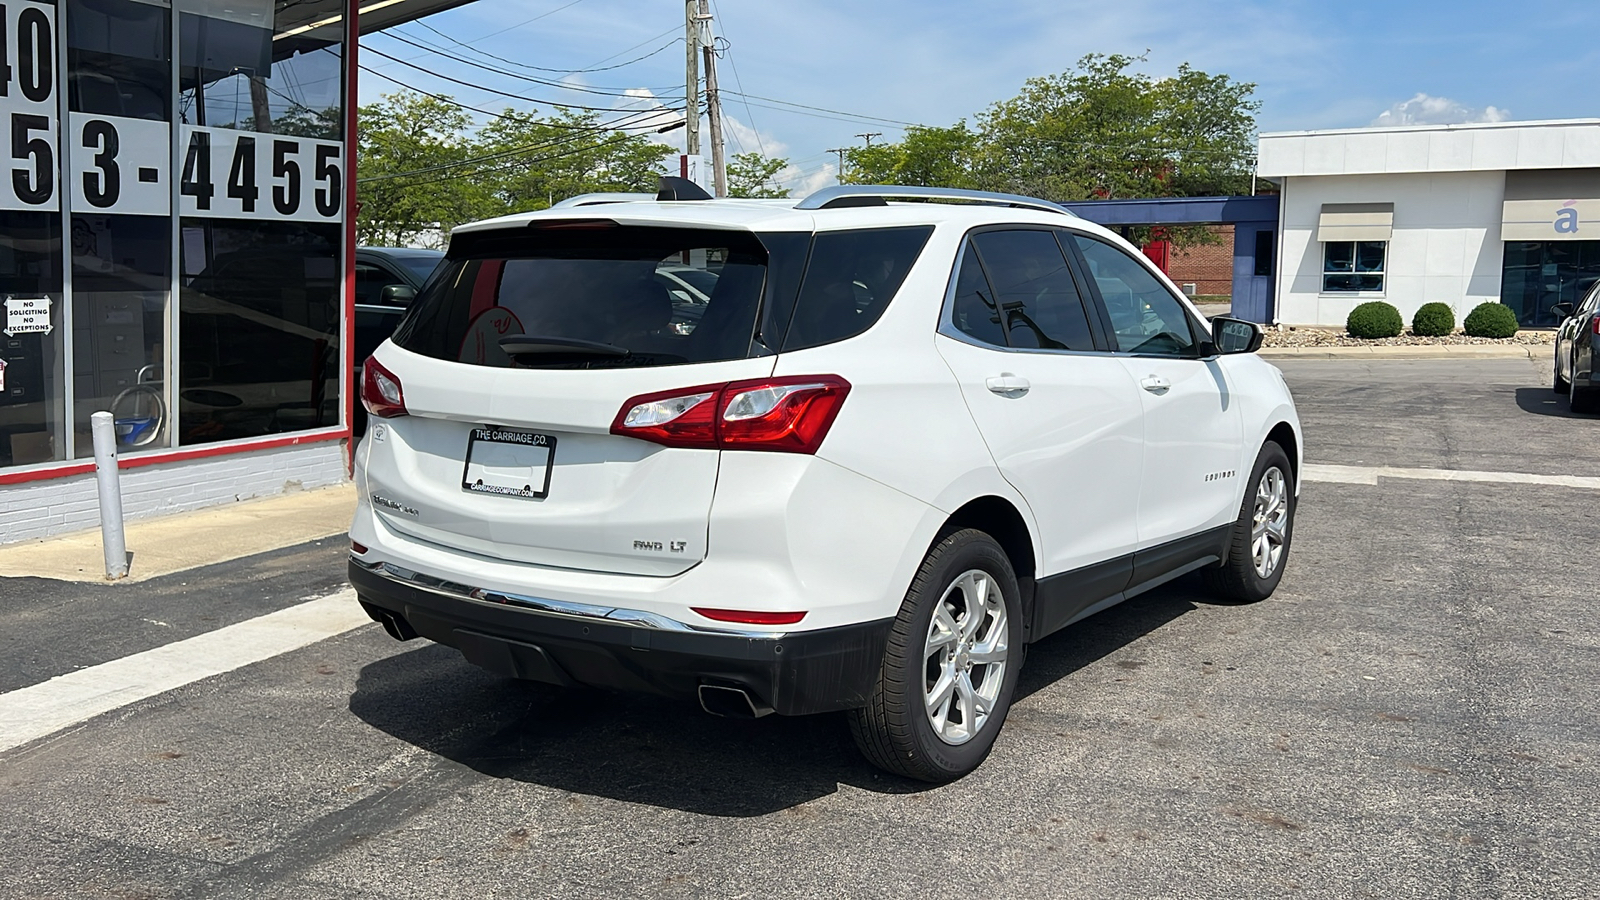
(528, 21)
(738, 81)
(521, 65)
(836, 112)
(479, 87)
(612, 92)
(447, 99)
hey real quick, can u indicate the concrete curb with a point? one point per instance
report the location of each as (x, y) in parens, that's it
(1454, 351)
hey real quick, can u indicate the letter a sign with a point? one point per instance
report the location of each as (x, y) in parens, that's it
(1567, 218)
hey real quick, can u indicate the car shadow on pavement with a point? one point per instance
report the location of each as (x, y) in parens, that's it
(1545, 402)
(668, 754)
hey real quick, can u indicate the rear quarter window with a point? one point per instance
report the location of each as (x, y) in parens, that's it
(849, 281)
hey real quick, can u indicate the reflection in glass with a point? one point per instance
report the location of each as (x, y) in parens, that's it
(235, 75)
(1540, 274)
(1353, 265)
(259, 314)
(31, 399)
(119, 66)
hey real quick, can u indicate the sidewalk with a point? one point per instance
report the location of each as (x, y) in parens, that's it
(1453, 351)
(167, 544)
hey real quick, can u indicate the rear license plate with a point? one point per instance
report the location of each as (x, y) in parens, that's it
(509, 463)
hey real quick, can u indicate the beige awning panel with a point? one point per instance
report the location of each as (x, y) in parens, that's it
(1355, 222)
(1561, 205)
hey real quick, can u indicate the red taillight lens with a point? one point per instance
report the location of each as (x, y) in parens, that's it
(680, 418)
(380, 391)
(787, 414)
(790, 414)
(744, 617)
(1594, 325)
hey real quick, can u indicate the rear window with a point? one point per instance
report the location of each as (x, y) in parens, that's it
(591, 294)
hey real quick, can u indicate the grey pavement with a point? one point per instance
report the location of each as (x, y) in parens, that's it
(1413, 714)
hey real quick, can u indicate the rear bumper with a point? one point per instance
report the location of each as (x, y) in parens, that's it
(796, 673)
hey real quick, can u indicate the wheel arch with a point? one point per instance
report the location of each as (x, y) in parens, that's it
(1284, 435)
(1000, 519)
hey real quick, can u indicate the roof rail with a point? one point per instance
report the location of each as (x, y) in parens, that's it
(846, 195)
(601, 199)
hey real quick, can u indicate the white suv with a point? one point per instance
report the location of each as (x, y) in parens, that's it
(898, 443)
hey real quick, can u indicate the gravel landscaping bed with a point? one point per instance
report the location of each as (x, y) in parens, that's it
(1328, 337)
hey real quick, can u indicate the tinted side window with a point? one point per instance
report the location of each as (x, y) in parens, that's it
(1145, 317)
(849, 282)
(1037, 299)
(974, 310)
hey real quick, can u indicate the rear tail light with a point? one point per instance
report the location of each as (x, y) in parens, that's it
(380, 391)
(745, 617)
(1594, 325)
(790, 414)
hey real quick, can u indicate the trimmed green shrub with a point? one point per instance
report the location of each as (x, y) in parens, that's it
(1375, 319)
(1491, 320)
(1433, 320)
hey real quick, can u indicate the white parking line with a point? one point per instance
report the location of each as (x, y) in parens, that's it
(32, 712)
(1371, 474)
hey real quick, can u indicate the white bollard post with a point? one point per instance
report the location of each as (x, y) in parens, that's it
(105, 470)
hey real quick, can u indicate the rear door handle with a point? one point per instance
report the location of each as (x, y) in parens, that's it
(1007, 384)
(1155, 384)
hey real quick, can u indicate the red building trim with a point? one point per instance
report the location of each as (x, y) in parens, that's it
(76, 467)
(352, 48)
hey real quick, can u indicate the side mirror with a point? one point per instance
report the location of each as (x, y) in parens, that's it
(1230, 335)
(1562, 310)
(397, 295)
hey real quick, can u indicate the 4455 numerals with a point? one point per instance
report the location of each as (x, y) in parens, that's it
(234, 174)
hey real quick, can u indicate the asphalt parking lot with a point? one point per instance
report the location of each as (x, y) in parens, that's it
(1413, 714)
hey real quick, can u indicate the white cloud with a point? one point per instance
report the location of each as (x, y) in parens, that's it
(1424, 109)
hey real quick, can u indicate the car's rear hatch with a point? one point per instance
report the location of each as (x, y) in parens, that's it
(522, 356)
(505, 450)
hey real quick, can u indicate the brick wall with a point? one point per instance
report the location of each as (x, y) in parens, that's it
(1209, 266)
(42, 508)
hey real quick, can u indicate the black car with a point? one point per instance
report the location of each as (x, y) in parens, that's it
(1575, 351)
(386, 280)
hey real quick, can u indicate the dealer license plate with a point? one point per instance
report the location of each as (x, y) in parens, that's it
(509, 463)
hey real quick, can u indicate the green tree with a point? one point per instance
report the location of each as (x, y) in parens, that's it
(1105, 131)
(752, 175)
(930, 157)
(539, 160)
(413, 170)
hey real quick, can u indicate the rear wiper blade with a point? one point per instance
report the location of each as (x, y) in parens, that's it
(565, 348)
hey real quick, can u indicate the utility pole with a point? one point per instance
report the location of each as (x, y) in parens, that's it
(841, 151)
(868, 136)
(719, 172)
(691, 77)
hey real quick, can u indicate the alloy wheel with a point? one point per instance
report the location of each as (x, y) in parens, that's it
(964, 657)
(1270, 526)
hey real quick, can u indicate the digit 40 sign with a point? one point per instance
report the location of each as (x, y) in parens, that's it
(243, 175)
(28, 105)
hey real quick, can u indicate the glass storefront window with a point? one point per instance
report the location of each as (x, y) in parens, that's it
(172, 230)
(262, 212)
(1539, 274)
(119, 76)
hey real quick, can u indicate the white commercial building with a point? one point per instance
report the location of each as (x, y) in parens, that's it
(1459, 214)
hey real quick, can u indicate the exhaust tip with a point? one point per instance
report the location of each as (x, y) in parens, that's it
(392, 622)
(731, 702)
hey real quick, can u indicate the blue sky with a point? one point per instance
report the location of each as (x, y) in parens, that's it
(1316, 64)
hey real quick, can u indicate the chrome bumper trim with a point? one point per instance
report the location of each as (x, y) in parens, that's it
(634, 617)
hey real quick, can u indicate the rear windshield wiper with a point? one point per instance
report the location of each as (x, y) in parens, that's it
(538, 350)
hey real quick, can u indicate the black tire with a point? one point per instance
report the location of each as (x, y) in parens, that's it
(894, 730)
(1584, 401)
(1238, 579)
(1559, 385)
